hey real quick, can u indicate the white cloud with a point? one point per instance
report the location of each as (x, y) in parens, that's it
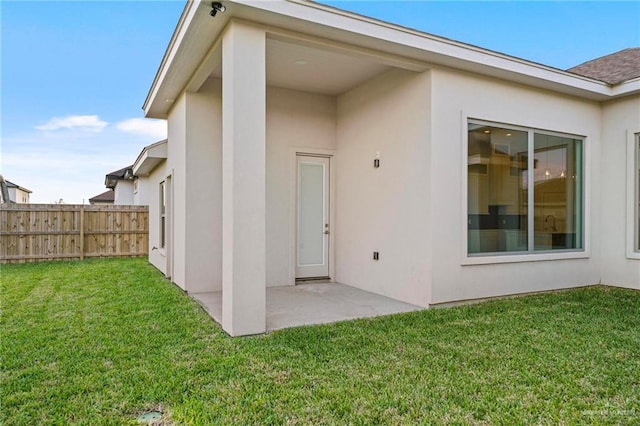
(144, 126)
(91, 123)
(66, 164)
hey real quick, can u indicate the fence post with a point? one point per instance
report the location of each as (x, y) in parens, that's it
(82, 232)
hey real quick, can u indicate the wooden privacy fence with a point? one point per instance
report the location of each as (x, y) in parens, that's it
(39, 232)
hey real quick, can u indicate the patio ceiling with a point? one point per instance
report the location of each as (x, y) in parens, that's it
(311, 69)
(317, 69)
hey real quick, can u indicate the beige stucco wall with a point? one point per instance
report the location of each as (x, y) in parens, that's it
(412, 210)
(149, 190)
(296, 121)
(176, 167)
(141, 194)
(457, 95)
(621, 121)
(123, 193)
(384, 209)
(204, 189)
(243, 179)
(195, 169)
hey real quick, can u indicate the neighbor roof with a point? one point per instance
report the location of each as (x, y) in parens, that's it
(107, 196)
(615, 68)
(13, 185)
(112, 178)
(119, 174)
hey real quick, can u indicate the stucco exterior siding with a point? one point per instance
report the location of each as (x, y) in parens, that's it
(243, 96)
(243, 179)
(150, 187)
(204, 190)
(194, 164)
(176, 166)
(457, 96)
(123, 193)
(385, 209)
(296, 122)
(621, 124)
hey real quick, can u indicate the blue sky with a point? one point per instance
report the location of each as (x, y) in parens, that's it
(75, 74)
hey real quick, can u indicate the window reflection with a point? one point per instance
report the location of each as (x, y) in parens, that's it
(497, 181)
(557, 194)
(500, 207)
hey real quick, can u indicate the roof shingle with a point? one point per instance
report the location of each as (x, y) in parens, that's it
(107, 196)
(615, 68)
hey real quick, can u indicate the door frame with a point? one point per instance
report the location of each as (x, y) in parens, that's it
(293, 207)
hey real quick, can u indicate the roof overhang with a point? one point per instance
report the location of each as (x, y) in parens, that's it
(630, 87)
(13, 185)
(197, 33)
(112, 179)
(149, 158)
(111, 182)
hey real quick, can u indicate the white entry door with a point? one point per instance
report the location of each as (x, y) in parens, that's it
(313, 217)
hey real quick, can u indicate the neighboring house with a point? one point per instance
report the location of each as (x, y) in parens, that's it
(305, 141)
(106, 198)
(122, 183)
(131, 185)
(17, 194)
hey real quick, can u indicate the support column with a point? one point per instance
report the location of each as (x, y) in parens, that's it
(243, 180)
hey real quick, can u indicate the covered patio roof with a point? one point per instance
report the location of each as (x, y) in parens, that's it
(192, 49)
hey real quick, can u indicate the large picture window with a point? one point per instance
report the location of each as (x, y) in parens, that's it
(504, 215)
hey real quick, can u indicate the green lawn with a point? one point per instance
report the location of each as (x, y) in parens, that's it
(100, 342)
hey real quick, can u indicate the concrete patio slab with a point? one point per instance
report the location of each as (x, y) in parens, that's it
(315, 303)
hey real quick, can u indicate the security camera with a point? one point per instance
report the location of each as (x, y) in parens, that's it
(217, 7)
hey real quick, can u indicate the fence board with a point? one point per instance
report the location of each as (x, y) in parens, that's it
(39, 232)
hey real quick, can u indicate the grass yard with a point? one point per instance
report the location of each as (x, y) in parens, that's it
(100, 342)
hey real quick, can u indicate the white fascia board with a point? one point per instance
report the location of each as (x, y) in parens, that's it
(176, 39)
(191, 40)
(630, 87)
(451, 53)
(432, 48)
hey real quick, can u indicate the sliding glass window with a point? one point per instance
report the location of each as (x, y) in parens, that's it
(503, 215)
(557, 189)
(497, 189)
